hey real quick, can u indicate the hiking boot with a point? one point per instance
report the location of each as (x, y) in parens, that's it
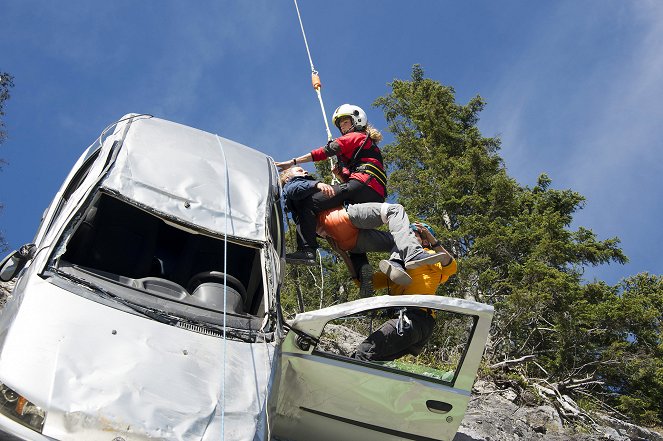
(366, 281)
(301, 257)
(424, 258)
(395, 271)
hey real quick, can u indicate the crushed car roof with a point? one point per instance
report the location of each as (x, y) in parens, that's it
(193, 176)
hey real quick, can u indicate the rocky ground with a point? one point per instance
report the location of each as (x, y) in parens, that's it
(492, 415)
(5, 289)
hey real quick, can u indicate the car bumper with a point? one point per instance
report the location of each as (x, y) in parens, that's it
(10, 430)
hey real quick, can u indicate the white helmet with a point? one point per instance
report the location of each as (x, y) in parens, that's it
(359, 120)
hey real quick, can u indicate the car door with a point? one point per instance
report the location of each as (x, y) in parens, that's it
(323, 393)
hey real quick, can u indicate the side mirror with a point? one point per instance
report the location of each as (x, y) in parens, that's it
(15, 262)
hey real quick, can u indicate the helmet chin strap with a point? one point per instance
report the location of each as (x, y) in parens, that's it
(353, 128)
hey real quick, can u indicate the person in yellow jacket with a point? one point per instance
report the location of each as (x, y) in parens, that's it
(409, 332)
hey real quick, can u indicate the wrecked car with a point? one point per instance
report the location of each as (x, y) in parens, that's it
(147, 307)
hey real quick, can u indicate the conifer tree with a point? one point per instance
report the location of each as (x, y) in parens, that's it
(6, 83)
(517, 251)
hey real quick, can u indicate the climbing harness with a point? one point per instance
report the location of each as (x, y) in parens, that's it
(317, 85)
(403, 321)
(359, 157)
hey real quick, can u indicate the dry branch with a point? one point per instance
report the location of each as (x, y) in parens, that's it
(507, 363)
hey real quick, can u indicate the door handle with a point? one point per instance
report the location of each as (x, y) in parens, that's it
(438, 406)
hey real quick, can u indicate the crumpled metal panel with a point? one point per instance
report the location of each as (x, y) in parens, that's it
(383, 399)
(181, 172)
(102, 373)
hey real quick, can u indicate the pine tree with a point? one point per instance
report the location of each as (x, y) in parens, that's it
(6, 83)
(517, 251)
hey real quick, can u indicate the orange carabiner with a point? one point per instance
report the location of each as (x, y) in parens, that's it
(315, 79)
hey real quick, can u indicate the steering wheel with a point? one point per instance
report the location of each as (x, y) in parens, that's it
(216, 277)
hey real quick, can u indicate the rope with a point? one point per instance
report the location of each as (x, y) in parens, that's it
(225, 291)
(305, 41)
(317, 85)
(268, 371)
(322, 278)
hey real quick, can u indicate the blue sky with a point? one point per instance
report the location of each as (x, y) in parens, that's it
(573, 88)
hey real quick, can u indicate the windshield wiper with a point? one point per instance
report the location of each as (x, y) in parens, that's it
(246, 336)
(152, 313)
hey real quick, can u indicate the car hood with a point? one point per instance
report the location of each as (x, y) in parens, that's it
(101, 373)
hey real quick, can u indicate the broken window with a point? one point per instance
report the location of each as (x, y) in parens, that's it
(417, 341)
(115, 241)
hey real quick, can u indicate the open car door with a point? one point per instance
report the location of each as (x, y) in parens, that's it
(324, 393)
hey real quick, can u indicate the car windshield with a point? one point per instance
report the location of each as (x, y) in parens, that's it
(139, 257)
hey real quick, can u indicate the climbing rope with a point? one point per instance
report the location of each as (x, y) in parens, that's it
(317, 85)
(322, 277)
(225, 291)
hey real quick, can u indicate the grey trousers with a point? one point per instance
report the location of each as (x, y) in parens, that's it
(400, 240)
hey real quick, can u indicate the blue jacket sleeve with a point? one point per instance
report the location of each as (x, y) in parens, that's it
(297, 189)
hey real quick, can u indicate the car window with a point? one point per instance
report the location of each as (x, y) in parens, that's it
(382, 338)
(82, 172)
(75, 182)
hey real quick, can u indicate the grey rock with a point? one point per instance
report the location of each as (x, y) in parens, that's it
(492, 416)
(5, 290)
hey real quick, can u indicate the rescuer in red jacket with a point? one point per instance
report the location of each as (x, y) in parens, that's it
(359, 167)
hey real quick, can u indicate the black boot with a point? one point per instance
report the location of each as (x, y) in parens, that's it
(305, 256)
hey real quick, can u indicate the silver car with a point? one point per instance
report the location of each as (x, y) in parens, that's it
(147, 307)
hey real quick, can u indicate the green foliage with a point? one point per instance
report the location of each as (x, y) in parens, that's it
(6, 83)
(634, 322)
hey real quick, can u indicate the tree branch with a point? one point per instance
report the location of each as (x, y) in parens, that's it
(507, 363)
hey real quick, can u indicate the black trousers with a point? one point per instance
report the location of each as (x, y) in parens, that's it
(307, 209)
(387, 344)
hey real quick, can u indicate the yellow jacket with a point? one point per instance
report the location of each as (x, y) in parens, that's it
(425, 279)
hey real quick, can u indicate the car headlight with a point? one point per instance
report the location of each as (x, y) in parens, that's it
(19, 409)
